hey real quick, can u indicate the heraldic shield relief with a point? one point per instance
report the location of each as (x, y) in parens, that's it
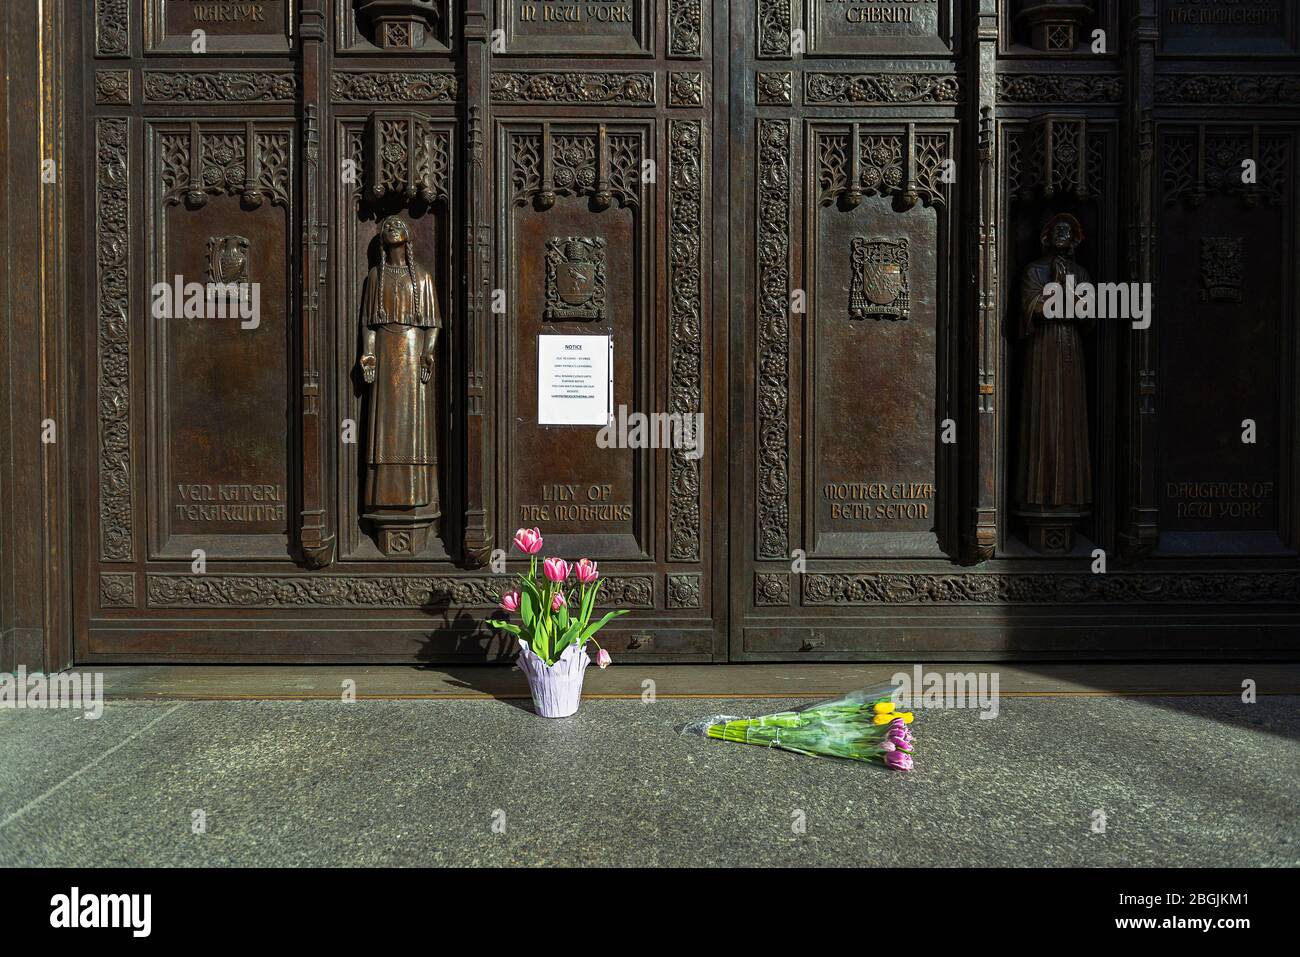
(575, 279)
(879, 287)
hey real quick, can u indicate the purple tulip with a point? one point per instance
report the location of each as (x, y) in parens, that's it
(888, 745)
(898, 760)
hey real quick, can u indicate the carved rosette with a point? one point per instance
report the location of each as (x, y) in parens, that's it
(774, 89)
(117, 591)
(685, 346)
(683, 591)
(772, 589)
(362, 591)
(686, 88)
(112, 294)
(626, 89)
(113, 87)
(773, 339)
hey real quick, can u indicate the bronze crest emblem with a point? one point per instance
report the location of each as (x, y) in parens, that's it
(228, 259)
(575, 279)
(879, 285)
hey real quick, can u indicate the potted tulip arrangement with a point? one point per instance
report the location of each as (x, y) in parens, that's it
(555, 626)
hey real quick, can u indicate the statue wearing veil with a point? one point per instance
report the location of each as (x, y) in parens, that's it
(1054, 482)
(399, 329)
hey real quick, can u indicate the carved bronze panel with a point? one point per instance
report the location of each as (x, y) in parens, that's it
(335, 250)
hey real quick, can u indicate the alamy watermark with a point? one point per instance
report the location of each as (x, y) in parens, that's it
(923, 689)
(654, 430)
(69, 691)
(209, 300)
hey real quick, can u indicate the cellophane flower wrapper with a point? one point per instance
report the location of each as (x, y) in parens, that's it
(861, 726)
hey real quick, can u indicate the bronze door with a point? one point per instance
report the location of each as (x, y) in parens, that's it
(436, 203)
(780, 247)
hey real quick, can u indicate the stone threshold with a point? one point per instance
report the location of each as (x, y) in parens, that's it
(378, 682)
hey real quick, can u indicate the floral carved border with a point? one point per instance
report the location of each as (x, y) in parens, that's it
(684, 38)
(685, 345)
(113, 333)
(774, 29)
(773, 338)
(871, 88)
(393, 86)
(112, 27)
(362, 591)
(543, 86)
(1059, 88)
(1255, 88)
(220, 86)
(1052, 588)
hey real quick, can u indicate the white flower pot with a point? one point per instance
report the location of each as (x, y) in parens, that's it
(557, 690)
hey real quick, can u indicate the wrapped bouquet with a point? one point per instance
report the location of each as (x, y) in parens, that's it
(862, 726)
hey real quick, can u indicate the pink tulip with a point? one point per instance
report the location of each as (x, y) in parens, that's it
(898, 761)
(557, 569)
(558, 601)
(510, 601)
(529, 540)
(888, 745)
(603, 659)
(586, 571)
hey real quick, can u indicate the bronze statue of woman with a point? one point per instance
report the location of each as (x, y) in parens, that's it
(400, 323)
(1054, 483)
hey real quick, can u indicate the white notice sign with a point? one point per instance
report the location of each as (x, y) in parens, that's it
(573, 380)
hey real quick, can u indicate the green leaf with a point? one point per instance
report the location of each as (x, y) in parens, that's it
(528, 606)
(569, 637)
(592, 629)
(506, 625)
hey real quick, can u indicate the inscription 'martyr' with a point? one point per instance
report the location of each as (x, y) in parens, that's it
(228, 12)
(230, 503)
(600, 11)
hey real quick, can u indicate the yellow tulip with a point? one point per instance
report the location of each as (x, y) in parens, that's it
(883, 707)
(883, 718)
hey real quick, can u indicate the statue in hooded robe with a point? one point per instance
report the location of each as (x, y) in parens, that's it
(1054, 481)
(399, 329)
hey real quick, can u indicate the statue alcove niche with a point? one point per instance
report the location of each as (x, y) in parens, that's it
(400, 342)
(1053, 483)
(1059, 464)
